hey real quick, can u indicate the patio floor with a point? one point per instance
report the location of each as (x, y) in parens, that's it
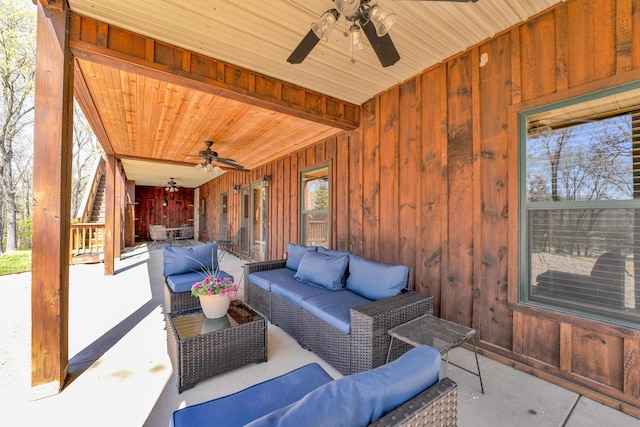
(120, 374)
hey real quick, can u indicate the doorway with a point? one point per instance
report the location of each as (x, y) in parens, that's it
(224, 224)
(246, 208)
(258, 222)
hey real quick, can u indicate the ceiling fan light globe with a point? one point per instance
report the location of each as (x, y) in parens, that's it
(208, 168)
(355, 41)
(382, 20)
(347, 7)
(322, 27)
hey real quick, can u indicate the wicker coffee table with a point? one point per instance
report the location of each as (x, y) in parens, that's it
(440, 334)
(200, 348)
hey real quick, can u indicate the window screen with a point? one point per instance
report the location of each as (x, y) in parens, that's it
(580, 226)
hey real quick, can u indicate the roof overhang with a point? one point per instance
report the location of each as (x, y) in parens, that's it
(157, 80)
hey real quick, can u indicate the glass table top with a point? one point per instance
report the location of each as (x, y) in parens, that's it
(430, 330)
(192, 323)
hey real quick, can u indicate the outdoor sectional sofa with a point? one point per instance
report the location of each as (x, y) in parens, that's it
(336, 304)
(403, 392)
(182, 267)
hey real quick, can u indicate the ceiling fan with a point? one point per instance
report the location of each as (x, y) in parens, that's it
(172, 186)
(362, 15)
(209, 156)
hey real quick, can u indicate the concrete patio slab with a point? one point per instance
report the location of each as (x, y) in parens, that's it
(120, 374)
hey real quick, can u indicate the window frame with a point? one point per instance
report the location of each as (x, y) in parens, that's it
(302, 234)
(203, 215)
(524, 264)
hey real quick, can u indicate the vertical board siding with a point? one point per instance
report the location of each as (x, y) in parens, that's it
(427, 178)
(634, 8)
(340, 181)
(388, 177)
(370, 181)
(598, 356)
(460, 201)
(433, 185)
(286, 204)
(355, 191)
(409, 155)
(535, 61)
(591, 34)
(491, 313)
(330, 154)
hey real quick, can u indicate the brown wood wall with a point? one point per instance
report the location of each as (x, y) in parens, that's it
(149, 209)
(427, 179)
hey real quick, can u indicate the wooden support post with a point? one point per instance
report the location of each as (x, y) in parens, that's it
(109, 216)
(118, 220)
(53, 150)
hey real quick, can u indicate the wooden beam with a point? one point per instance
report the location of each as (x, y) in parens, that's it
(109, 45)
(53, 149)
(118, 225)
(110, 207)
(60, 5)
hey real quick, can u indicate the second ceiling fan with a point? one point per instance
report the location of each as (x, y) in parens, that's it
(208, 155)
(362, 15)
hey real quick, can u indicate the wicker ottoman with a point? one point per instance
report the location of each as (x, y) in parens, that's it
(200, 348)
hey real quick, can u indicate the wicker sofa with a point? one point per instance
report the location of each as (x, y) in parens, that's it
(182, 267)
(346, 323)
(405, 392)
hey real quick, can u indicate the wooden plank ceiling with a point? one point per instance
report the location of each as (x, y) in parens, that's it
(151, 119)
(163, 111)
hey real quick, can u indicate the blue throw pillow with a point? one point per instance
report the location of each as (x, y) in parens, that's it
(186, 260)
(335, 252)
(362, 398)
(375, 280)
(323, 270)
(295, 253)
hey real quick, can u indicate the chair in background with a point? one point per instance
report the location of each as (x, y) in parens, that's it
(158, 233)
(226, 245)
(184, 235)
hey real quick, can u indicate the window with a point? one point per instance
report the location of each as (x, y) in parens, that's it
(580, 206)
(314, 216)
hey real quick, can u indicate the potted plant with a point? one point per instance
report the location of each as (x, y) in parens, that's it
(214, 292)
(215, 295)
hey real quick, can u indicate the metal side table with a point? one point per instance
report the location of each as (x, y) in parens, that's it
(440, 334)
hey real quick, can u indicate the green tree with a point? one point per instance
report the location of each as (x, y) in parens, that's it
(17, 76)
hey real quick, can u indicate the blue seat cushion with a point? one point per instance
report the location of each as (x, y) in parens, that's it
(322, 270)
(185, 260)
(360, 399)
(375, 280)
(264, 279)
(295, 291)
(334, 308)
(246, 405)
(184, 282)
(295, 253)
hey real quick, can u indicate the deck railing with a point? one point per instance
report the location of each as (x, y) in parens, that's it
(86, 238)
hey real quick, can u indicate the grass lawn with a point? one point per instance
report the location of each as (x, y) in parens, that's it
(15, 262)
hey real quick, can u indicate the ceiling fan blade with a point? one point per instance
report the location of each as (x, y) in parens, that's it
(306, 45)
(229, 162)
(228, 159)
(382, 46)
